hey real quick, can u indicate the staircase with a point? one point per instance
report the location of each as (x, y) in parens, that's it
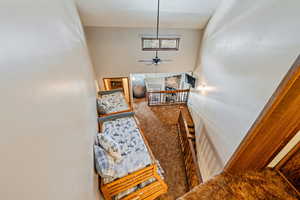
(186, 134)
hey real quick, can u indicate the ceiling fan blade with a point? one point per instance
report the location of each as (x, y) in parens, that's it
(166, 60)
(145, 61)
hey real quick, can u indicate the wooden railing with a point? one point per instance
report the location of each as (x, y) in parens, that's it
(167, 97)
(187, 138)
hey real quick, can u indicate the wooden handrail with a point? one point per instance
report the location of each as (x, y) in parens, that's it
(170, 91)
(189, 153)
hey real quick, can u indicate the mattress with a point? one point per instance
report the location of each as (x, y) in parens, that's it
(135, 155)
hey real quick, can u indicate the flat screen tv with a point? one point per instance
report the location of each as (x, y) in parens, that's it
(190, 80)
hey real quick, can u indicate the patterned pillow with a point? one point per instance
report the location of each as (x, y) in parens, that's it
(110, 146)
(96, 142)
(104, 163)
(101, 106)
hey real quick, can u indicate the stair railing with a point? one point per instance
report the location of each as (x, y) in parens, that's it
(169, 97)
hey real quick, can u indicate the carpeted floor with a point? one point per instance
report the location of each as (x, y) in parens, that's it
(251, 185)
(159, 126)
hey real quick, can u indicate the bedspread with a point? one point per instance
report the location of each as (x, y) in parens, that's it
(114, 102)
(134, 152)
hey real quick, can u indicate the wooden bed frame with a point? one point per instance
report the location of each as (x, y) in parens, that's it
(149, 192)
(113, 113)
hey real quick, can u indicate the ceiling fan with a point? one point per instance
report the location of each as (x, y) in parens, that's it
(156, 60)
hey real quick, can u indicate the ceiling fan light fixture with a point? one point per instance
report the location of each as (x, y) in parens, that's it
(156, 60)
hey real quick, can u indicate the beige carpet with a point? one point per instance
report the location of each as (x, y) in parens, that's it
(159, 126)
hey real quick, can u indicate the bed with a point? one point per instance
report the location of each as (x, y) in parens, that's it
(112, 102)
(138, 175)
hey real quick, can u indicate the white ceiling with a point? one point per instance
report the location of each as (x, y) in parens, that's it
(142, 13)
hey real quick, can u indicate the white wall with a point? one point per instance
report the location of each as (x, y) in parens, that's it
(247, 48)
(116, 51)
(48, 115)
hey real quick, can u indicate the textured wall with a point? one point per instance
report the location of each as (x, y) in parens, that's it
(116, 51)
(48, 115)
(247, 48)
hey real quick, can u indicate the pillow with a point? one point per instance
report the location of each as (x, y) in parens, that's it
(104, 163)
(110, 146)
(101, 106)
(96, 141)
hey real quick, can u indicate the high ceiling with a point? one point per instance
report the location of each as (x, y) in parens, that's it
(141, 13)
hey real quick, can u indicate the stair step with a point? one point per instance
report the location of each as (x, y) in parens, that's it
(190, 125)
(192, 130)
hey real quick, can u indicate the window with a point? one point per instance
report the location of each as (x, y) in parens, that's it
(160, 44)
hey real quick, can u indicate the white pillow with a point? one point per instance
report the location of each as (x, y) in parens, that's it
(110, 146)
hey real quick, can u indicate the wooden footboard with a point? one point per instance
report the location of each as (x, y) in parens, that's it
(149, 192)
(115, 113)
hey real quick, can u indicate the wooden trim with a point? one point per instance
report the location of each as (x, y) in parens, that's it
(276, 125)
(288, 156)
(187, 144)
(170, 91)
(194, 157)
(122, 184)
(104, 84)
(117, 77)
(114, 113)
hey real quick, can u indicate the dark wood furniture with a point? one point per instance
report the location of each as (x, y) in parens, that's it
(186, 135)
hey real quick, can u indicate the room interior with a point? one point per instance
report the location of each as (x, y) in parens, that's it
(150, 100)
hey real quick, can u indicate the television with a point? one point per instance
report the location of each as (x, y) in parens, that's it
(190, 80)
